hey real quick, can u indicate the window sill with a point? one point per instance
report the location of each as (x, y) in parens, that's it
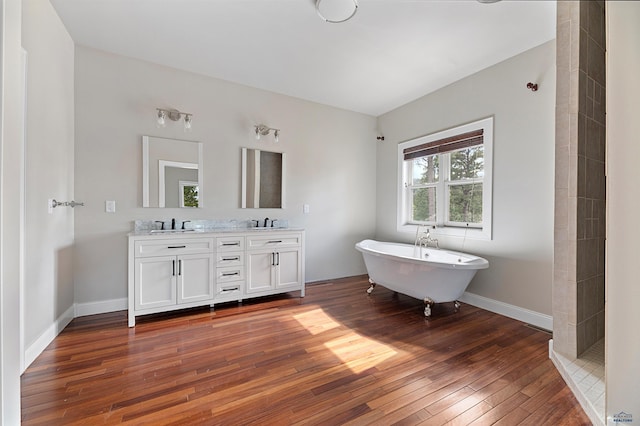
(449, 231)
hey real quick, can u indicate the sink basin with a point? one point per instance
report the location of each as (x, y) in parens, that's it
(170, 231)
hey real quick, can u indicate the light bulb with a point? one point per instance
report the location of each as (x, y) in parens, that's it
(187, 122)
(276, 135)
(257, 134)
(161, 118)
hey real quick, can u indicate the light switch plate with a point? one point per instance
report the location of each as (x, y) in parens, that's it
(110, 206)
(305, 208)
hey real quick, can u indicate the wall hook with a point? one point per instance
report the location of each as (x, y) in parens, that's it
(532, 86)
(380, 138)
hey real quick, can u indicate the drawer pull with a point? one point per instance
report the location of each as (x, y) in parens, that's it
(274, 241)
(230, 274)
(231, 258)
(237, 243)
(230, 289)
(172, 247)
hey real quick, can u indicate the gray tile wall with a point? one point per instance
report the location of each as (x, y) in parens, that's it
(578, 290)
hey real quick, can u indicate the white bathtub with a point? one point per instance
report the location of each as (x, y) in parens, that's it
(431, 275)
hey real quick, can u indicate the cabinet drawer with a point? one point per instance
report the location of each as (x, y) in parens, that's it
(233, 273)
(234, 243)
(230, 259)
(173, 247)
(273, 241)
(229, 291)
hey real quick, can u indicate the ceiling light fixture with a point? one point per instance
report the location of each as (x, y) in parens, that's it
(262, 130)
(336, 11)
(173, 115)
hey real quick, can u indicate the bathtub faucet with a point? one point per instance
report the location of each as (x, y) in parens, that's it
(425, 240)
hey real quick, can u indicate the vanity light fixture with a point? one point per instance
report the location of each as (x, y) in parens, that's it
(173, 115)
(336, 11)
(262, 130)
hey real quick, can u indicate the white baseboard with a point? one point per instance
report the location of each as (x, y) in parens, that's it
(36, 348)
(521, 314)
(93, 308)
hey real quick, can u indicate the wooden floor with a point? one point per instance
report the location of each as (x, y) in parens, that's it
(336, 357)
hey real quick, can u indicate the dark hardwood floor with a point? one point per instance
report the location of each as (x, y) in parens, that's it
(335, 357)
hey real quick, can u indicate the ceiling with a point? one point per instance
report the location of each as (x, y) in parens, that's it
(390, 53)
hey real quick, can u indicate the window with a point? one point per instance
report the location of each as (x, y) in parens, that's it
(188, 193)
(445, 181)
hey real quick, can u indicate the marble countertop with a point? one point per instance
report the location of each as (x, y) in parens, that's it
(201, 231)
(200, 227)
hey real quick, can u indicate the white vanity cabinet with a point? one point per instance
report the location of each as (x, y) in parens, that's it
(171, 273)
(183, 270)
(274, 263)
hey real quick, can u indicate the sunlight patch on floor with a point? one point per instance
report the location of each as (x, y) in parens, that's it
(357, 352)
(316, 321)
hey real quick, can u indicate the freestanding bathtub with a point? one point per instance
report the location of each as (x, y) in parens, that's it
(431, 275)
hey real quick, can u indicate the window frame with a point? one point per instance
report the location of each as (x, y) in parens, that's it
(443, 225)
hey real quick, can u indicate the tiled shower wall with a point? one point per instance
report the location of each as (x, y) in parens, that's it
(578, 288)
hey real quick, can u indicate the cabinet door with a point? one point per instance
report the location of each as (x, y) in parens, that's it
(195, 279)
(155, 282)
(288, 268)
(260, 271)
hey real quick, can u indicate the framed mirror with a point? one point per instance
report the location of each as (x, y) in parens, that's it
(262, 179)
(171, 173)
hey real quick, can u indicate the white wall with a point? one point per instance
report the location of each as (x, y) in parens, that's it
(623, 204)
(11, 142)
(521, 252)
(48, 288)
(330, 165)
